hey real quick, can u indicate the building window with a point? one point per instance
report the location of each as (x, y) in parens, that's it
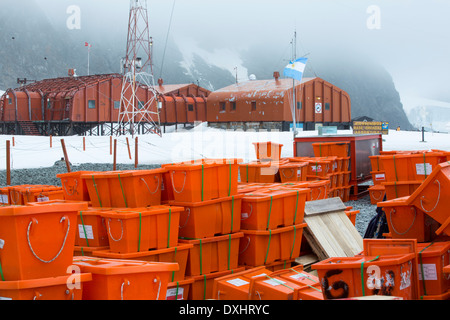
(190, 107)
(223, 107)
(299, 105)
(91, 104)
(116, 104)
(253, 105)
(49, 104)
(327, 106)
(9, 101)
(233, 106)
(141, 105)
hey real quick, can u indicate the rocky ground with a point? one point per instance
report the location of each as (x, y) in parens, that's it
(47, 176)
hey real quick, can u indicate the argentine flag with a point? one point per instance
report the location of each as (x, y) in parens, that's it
(295, 69)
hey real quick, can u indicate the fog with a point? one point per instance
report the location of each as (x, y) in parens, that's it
(408, 37)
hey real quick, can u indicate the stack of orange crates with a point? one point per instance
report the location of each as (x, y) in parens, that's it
(209, 223)
(24, 194)
(272, 225)
(405, 171)
(37, 251)
(339, 171)
(128, 221)
(260, 283)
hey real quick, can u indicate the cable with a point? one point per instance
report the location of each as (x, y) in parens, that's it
(167, 38)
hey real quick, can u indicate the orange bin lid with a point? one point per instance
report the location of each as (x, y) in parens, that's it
(276, 231)
(205, 203)
(42, 282)
(267, 194)
(137, 212)
(355, 262)
(137, 255)
(433, 249)
(73, 173)
(43, 208)
(123, 174)
(117, 266)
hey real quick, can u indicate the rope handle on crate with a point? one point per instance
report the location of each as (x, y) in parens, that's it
(188, 210)
(64, 183)
(438, 198)
(250, 214)
(34, 220)
(291, 176)
(157, 185)
(173, 185)
(362, 274)
(377, 198)
(409, 228)
(127, 282)
(109, 230)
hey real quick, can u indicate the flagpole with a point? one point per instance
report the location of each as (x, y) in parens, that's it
(294, 123)
(89, 51)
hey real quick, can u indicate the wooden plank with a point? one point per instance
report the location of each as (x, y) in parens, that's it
(324, 206)
(329, 231)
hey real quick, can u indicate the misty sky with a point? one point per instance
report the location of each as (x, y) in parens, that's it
(411, 40)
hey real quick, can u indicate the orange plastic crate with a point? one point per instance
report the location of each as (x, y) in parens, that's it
(54, 288)
(74, 186)
(38, 240)
(405, 221)
(124, 189)
(114, 279)
(202, 287)
(91, 229)
(272, 287)
(203, 180)
(376, 193)
(142, 229)
(208, 218)
(178, 254)
(179, 290)
(319, 167)
(272, 208)
(376, 163)
(236, 286)
(268, 150)
(382, 275)
(378, 177)
(432, 258)
(259, 172)
(310, 288)
(293, 171)
(4, 196)
(351, 214)
(261, 247)
(399, 189)
(212, 254)
(433, 197)
(339, 149)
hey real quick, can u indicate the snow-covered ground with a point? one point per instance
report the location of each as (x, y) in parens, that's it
(200, 142)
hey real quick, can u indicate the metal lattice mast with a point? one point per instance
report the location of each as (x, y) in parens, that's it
(137, 69)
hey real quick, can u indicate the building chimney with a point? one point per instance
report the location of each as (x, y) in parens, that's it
(160, 82)
(71, 72)
(276, 75)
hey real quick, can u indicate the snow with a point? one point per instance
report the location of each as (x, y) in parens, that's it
(199, 142)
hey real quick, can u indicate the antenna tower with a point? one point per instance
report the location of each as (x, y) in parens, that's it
(139, 109)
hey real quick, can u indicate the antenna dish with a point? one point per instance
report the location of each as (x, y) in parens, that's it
(252, 77)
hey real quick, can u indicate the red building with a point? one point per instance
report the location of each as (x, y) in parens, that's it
(76, 105)
(266, 104)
